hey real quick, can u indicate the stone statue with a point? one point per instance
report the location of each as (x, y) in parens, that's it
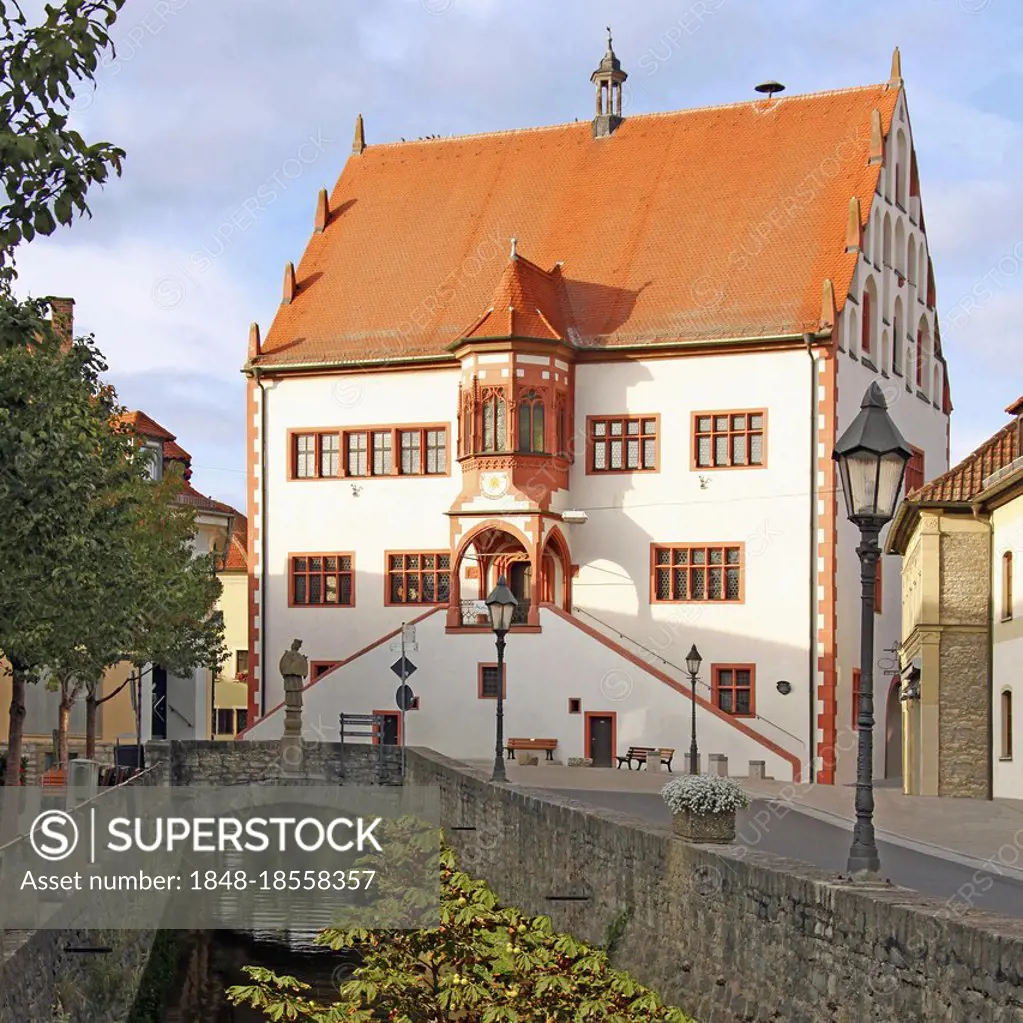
(295, 669)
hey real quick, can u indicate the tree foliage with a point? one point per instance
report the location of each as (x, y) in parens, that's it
(484, 963)
(96, 562)
(46, 167)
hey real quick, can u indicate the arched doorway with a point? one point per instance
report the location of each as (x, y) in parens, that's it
(489, 552)
(556, 571)
(893, 731)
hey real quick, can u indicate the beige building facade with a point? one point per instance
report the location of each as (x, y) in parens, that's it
(960, 629)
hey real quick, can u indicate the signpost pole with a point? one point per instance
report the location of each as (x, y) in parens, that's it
(403, 701)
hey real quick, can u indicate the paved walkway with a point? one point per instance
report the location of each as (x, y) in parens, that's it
(985, 834)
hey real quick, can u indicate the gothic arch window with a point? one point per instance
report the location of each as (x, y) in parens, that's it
(886, 251)
(875, 236)
(923, 347)
(897, 339)
(885, 350)
(531, 422)
(868, 311)
(911, 261)
(495, 421)
(902, 169)
(853, 331)
(900, 247)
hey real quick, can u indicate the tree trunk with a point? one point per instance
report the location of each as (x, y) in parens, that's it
(16, 730)
(91, 713)
(63, 722)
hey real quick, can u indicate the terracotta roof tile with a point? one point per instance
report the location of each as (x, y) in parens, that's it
(174, 451)
(238, 552)
(141, 423)
(528, 303)
(712, 223)
(965, 481)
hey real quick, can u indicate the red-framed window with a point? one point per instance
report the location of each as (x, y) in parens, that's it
(315, 455)
(413, 450)
(418, 577)
(730, 440)
(494, 416)
(321, 580)
(857, 689)
(488, 678)
(733, 689)
(914, 478)
(622, 444)
(682, 573)
(575, 705)
(317, 669)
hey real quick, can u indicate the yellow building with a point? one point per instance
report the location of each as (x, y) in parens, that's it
(959, 536)
(232, 689)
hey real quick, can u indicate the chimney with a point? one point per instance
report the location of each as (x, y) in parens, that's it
(62, 317)
(255, 343)
(854, 227)
(876, 138)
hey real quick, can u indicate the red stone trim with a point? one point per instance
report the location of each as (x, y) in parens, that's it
(624, 418)
(479, 680)
(715, 672)
(396, 714)
(654, 599)
(343, 432)
(694, 434)
(827, 528)
(435, 572)
(322, 605)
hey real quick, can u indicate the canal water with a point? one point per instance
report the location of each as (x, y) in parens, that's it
(213, 962)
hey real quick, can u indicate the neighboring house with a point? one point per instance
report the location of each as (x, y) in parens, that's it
(232, 690)
(608, 360)
(961, 541)
(181, 707)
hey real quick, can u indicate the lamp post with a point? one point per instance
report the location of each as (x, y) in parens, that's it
(501, 604)
(693, 662)
(871, 457)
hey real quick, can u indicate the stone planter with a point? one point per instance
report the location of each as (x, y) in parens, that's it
(712, 827)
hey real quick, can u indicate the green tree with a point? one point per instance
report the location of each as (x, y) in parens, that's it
(46, 167)
(96, 559)
(484, 963)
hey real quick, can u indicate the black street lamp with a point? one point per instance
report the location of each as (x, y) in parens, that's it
(872, 457)
(693, 662)
(501, 604)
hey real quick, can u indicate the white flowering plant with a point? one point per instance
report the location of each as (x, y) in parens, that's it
(704, 794)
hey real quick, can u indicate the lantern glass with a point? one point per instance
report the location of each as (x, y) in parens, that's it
(693, 661)
(501, 604)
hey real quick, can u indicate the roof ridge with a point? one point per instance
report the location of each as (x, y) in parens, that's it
(967, 462)
(631, 117)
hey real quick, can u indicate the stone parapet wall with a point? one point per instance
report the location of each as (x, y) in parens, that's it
(727, 933)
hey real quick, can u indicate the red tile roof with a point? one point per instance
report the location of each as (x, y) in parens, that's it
(528, 303)
(238, 552)
(721, 222)
(141, 423)
(174, 451)
(965, 481)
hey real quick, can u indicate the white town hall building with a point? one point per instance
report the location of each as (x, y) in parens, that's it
(608, 360)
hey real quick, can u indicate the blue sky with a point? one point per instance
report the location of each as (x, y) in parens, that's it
(234, 113)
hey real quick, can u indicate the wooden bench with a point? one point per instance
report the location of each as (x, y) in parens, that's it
(547, 745)
(641, 755)
(54, 778)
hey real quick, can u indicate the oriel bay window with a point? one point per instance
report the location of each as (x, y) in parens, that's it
(370, 451)
(418, 578)
(729, 440)
(622, 444)
(322, 580)
(682, 573)
(531, 422)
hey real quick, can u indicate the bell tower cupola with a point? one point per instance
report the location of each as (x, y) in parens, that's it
(608, 78)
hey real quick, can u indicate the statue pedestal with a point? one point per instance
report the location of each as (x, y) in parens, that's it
(292, 754)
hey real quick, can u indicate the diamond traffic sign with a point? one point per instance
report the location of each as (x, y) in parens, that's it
(397, 667)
